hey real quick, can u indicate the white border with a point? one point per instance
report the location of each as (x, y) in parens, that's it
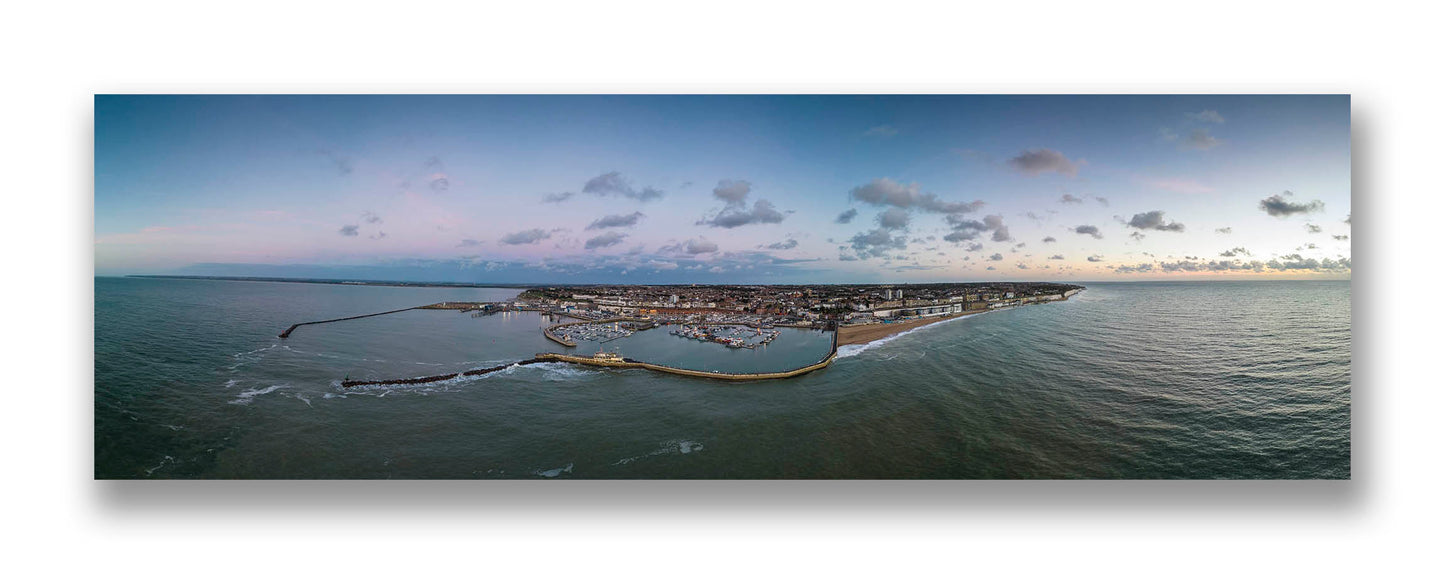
(59, 55)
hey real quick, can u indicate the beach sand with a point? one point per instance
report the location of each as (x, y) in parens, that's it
(859, 334)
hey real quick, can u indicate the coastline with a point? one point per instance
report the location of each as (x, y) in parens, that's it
(863, 334)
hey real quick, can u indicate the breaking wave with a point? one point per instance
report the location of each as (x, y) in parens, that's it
(853, 350)
(246, 396)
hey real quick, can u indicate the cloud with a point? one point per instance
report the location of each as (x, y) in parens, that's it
(605, 240)
(1104, 201)
(440, 183)
(734, 216)
(1279, 205)
(470, 243)
(1095, 259)
(627, 220)
(525, 237)
(1154, 220)
(557, 197)
(349, 230)
(1140, 268)
(1225, 230)
(734, 193)
(1349, 217)
(996, 257)
(846, 216)
(1049, 239)
(1089, 230)
(1037, 161)
(696, 246)
(1207, 116)
(1312, 228)
(783, 245)
(612, 184)
(1136, 236)
(969, 229)
(973, 246)
(1341, 237)
(1069, 198)
(1296, 262)
(893, 218)
(370, 217)
(1056, 257)
(1235, 252)
(378, 235)
(886, 192)
(1199, 139)
(735, 212)
(883, 131)
(877, 242)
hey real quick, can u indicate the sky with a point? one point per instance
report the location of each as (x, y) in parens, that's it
(724, 189)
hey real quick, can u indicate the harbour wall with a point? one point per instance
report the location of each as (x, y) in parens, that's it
(729, 377)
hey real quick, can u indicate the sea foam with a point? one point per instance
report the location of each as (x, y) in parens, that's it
(245, 397)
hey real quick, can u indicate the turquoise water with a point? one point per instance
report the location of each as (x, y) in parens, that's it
(1127, 380)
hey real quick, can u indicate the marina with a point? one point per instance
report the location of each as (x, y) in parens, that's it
(733, 336)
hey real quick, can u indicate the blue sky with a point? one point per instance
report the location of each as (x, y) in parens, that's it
(746, 189)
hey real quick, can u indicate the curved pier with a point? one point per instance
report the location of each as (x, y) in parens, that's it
(729, 377)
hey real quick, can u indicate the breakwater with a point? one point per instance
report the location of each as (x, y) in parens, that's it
(488, 307)
(448, 376)
(616, 363)
(287, 332)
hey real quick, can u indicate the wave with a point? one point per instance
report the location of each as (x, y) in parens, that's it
(245, 397)
(854, 350)
(554, 473)
(680, 446)
(564, 370)
(168, 458)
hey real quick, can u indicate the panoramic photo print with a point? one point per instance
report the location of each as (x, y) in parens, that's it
(562, 287)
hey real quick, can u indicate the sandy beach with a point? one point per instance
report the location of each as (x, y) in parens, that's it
(859, 334)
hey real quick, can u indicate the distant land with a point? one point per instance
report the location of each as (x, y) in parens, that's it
(369, 282)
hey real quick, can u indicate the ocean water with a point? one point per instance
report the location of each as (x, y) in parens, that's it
(1231, 380)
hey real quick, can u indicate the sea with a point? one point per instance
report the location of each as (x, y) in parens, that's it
(1143, 380)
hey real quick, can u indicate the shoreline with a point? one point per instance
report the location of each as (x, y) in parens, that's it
(864, 334)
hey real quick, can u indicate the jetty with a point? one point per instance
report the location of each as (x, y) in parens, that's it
(446, 377)
(287, 332)
(483, 307)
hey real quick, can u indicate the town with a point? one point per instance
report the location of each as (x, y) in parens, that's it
(787, 305)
